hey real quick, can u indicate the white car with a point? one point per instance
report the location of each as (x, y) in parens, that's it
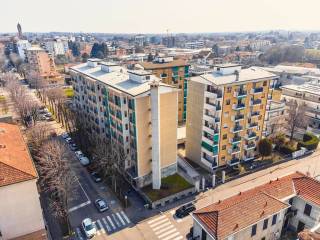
(79, 154)
(68, 140)
(88, 227)
(84, 161)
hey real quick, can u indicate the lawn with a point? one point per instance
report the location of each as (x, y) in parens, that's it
(169, 185)
(69, 92)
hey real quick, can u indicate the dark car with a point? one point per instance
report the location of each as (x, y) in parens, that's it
(73, 146)
(185, 210)
(101, 205)
(96, 177)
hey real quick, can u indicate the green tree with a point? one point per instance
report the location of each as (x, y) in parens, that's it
(85, 57)
(265, 147)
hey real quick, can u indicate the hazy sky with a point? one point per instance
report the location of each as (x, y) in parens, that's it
(155, 16)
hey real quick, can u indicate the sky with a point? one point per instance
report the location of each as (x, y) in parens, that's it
(156, 16)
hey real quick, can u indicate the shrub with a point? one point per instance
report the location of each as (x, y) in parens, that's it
(265, 147)
(309, 141)
(287, 149)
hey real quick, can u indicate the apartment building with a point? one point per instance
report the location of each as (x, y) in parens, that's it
(267, 212)
(172, 72)
(226, 114)
(21, 47)
(55, 47)
(41, 63)
(308, 95)
(134, 110)
(21, 214)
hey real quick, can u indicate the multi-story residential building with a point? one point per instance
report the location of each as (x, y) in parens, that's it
(308, 95)
(172, 72)
(194, 45)
(226, 114)
(135, 111)
(41, 63)
(21, 213)
(55, 47)
(21, 47)
(265, 212)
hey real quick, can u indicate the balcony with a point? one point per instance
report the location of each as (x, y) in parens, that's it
(210, 161)
(238, 106)
(250, 146)
(250, 136)
(255, 102)
(234, 161)
(235, 140)
(240, 94)
(233, 151)
(236, 129)
(252, 125)
(257, 90)
(210, 128)
(254, 114)
(214, 93)
(237, 117)
(248, 157)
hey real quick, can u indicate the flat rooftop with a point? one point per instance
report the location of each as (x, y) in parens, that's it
(118, 79)
(304, 88)
(245, 75)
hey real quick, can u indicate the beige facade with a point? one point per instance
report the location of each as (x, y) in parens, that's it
(117, 105)
(228, 108)
(20, 210)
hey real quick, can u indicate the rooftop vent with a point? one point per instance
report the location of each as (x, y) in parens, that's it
(139, 76)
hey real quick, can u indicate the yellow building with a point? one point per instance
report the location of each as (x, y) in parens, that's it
(136, 111)
(172, 72)
(226, 114)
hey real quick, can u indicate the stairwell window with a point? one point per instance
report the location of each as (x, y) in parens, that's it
(254, 230)
(274, 219)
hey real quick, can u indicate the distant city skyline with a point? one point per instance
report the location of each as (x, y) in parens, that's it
(149, 16)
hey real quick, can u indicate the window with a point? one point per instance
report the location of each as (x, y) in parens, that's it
(254, 230)
(203, 234)
(223, 158)
(228, 102)
(265, 224)
(307, 209)
(224, 147)
(274, 219)
(264, 238)
(224, 136)
(229, 89)
(265, 83)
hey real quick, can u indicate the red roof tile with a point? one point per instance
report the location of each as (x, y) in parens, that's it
(16, 164)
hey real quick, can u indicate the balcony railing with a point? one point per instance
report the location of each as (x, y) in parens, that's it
(235, 139)
(234, 150)
(234, 161)
(255, 102)
(248, 157)
(249, 146)
(236, 129)
(256, 90)
(254, 114)
(252, 125)
(210, 126)
(238, 106)
(250, 136)
(240, 93)
(237, 117)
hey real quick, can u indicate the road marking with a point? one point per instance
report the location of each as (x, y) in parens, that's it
(122, 221)
(101, 226)
(167, 233)
(156, 219)
(107, 225)
(83, 190)
(116, 220)
(113, 226)
(178, 238)
(179, 220)
(172, 212)
(125, 217)
(79, 206)
(159, 222)
(163, 229)
(79, 233)
(161, 226)
(171, 236)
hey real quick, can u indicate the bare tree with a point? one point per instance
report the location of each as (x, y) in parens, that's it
(36, 136)
(57, 177)
(295, 117)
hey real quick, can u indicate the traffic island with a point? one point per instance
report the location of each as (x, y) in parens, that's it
(173, 188)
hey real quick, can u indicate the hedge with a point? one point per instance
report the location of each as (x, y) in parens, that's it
(286, 149)
(309, 141)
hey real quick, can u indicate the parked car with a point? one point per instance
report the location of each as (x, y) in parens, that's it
(101, 205)
(254, 165)
(84, 161)
(79, 154)
(89, 228)
(185, 210)
(96, 177)
(68, 140)
(73, 146)
(64, 135)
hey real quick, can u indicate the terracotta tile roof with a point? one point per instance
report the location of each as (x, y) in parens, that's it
(237, 212)
(16, 164)
(222, 219)
(308, 189)
(38, 235)
(174, 63)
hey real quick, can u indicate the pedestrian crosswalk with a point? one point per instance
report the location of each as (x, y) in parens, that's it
(108, 224)
(164, 229)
